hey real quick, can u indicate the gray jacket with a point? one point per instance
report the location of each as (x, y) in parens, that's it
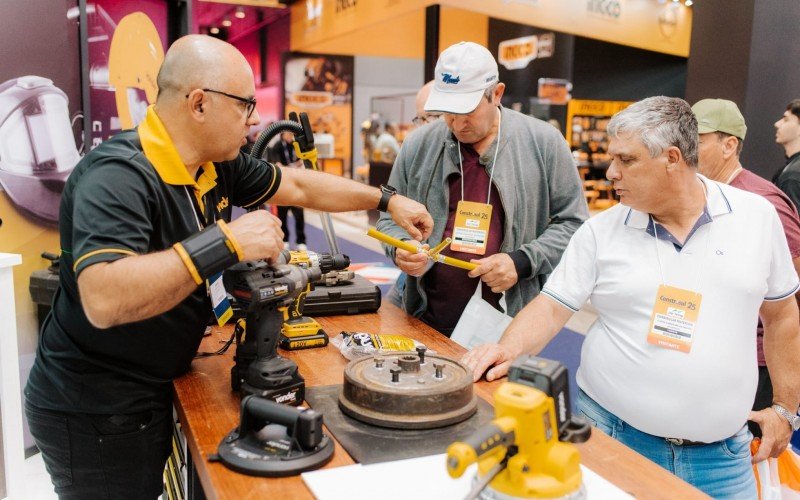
(540, 192)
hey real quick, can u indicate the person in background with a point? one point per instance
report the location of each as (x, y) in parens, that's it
(679, 272)
(515, 169)
(722, 131)
(282, 153)
(386, 144)
(422, 117)
(145, 235)
(787, 134)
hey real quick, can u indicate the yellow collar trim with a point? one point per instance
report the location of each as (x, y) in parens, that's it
(160, 151)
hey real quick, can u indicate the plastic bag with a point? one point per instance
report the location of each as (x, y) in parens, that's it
(777, 478)
(354, 345)
(480, 323)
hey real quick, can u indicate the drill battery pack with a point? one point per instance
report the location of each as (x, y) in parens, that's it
(304, 342)
(358, 296)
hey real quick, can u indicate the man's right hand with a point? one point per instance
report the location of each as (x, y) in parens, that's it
(413, 264)
(259, 234)
(494, 360)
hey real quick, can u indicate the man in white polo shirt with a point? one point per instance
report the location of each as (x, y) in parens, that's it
(678, 273)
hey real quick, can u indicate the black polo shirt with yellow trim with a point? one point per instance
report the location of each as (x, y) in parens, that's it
(132, 195)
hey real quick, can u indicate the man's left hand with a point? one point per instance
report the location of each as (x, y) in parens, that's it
(497, 271)
(411, 216)
(775, 433)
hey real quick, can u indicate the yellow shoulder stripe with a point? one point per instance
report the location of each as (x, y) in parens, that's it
(267, 191)
(102, 250)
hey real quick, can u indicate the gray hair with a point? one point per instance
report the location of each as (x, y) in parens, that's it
(660, 122)
(489, 92)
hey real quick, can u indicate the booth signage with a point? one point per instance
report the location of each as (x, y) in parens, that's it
(644, 24)
(344, 5)
(311, 99)
(607, 8)
(519, 52)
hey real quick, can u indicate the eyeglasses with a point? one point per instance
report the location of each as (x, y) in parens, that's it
(250, 103)
(426, 118)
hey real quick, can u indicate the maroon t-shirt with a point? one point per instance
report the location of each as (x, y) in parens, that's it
(449, 288)
(748, 181)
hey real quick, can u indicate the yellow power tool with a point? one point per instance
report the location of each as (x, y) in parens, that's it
(521, 453)
(298, 331)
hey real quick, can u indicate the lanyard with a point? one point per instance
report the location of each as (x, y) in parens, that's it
(194, 212)
(494, 161)
(705, 253)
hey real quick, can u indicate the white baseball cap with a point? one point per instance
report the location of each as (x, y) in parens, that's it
(463, 72)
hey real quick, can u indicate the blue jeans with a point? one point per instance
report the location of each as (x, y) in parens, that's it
(721, 469)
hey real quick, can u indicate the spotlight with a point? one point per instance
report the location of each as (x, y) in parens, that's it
(239, 13)
(214, 30)
(227, 22)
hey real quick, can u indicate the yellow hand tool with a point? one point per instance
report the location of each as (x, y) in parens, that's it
(432, 254)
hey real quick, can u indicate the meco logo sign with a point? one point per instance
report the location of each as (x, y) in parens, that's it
(342, 5)
(519, 52)
(606, 8)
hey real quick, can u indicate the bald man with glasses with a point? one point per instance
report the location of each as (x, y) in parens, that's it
(145, 226)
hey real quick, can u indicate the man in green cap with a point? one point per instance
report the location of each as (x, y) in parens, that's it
(722, 129)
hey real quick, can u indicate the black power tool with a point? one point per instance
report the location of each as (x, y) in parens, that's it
(275, 440)
(263, 291)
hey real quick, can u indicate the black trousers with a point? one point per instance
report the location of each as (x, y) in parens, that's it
(299, 223)
(103, 456)
(763, 397)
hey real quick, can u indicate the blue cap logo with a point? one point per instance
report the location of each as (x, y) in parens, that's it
(448, 78)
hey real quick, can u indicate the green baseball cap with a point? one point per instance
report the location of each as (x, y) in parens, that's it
(719, 115)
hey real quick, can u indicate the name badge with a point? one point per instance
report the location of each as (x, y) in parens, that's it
(219, 299)
(471, 229)
(674, 318)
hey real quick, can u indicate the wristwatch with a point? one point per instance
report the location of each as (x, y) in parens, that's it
(387, 192)
(794, 420)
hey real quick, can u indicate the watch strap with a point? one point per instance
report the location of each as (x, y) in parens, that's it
(386, 195)
(794, 420)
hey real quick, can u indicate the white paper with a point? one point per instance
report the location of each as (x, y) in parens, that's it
(419, 478)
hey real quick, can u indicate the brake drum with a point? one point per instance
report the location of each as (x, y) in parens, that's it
(408, 390)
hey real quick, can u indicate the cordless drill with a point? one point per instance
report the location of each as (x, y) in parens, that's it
(263, 291)
(303, 332)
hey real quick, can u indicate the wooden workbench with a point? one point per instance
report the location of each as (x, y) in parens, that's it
(208, 410)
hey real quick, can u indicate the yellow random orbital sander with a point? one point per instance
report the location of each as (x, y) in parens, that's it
(527, 450)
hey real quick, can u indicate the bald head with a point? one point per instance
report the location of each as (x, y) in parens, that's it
(422, 96)
(200, 61)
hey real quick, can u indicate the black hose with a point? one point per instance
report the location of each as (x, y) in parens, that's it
(271, 131)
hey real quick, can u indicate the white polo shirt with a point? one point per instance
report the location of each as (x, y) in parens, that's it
(740, 259)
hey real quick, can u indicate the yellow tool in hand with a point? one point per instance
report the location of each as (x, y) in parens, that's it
(433, 254)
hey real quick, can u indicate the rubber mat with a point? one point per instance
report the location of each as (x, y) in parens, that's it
(369, 444)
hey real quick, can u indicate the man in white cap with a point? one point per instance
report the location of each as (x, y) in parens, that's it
(501, 184)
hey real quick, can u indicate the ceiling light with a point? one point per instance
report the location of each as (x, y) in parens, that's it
(239, 12)
(227, 21)
(689, 3)
(214, 30)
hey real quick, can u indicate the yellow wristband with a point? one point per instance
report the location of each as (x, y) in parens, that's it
(229, 234)
(187, 261)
